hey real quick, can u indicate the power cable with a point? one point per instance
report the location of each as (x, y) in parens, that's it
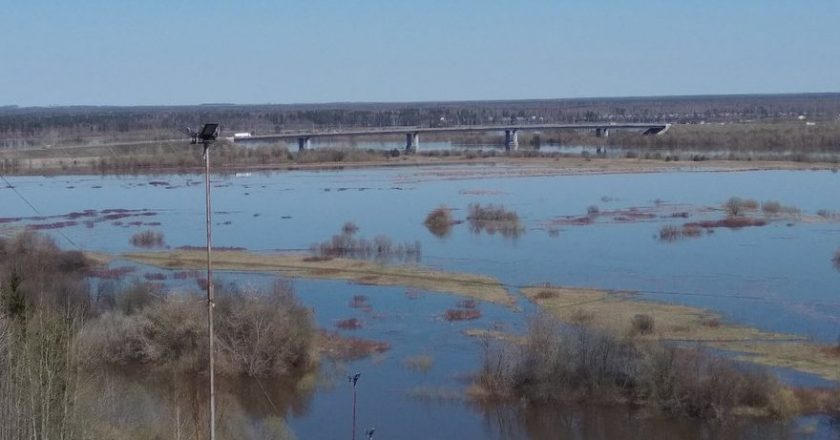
(36, 211)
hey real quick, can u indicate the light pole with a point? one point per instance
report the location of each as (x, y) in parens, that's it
(207, 136)
(353, 379)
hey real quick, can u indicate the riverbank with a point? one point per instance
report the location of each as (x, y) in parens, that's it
(160, 160)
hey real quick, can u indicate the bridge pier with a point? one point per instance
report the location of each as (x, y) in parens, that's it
(511, 140)
(412, 141)
(602, 132)
(304, 143)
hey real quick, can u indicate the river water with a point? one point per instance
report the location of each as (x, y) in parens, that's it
(778, 277)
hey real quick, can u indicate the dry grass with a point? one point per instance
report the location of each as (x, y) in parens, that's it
(801, 356)
(615, 311)
(474, 286)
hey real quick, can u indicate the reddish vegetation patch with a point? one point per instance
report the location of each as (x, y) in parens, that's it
(349, 324)
(729, 222)
(576, 221)
(462, 315)
(158, 183)
(56, 225)
(85, 213)
(10, 219)
(115, 216)
(350, 348)
(183, 275)
(833, 351)
(107, 273)
(154, 276)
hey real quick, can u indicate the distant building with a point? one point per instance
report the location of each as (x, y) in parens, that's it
(241, 135)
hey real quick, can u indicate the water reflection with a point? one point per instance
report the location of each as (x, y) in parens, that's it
(607, 423)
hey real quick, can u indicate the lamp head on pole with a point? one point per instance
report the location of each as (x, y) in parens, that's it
(207, 134)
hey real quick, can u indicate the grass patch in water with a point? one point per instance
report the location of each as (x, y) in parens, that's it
(370, 272)
(616, 312)
(422, 363)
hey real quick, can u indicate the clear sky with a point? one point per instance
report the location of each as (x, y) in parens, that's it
(143, 52)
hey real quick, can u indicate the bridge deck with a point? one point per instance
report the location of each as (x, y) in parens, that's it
(461, 128)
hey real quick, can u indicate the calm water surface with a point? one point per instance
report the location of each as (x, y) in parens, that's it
(778, 277)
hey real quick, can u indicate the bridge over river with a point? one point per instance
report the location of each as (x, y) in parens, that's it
(412, 134)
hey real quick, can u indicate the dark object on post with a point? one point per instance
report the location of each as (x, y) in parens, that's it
(208, 134)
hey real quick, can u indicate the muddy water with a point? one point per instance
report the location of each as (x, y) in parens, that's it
(777, 277)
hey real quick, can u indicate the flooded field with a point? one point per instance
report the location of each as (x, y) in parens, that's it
(601, 231)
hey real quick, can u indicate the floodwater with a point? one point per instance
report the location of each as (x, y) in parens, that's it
(778, 277)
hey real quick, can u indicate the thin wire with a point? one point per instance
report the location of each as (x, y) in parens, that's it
(60, 232)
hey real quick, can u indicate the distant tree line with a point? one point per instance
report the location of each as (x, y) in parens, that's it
(48, 126)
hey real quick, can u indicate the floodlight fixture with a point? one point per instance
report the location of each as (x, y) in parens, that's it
(209, 132)
(354, 378)
(369, 433)
(207, 135)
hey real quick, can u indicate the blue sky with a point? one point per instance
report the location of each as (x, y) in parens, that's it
(117, 52)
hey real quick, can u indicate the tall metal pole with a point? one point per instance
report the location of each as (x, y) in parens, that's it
(353, 379)
(354, 411)
(210, 303)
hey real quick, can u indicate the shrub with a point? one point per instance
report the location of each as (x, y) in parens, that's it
(439, 221)
(642, 324)
(494, 219)
(771, 207)
(259, 333)
(147, 239)
(836, 259)
(556, 364)
(381, 248)
(669, 233)
(736, 206)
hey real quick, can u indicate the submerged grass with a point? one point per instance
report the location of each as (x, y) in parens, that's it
(369, 272)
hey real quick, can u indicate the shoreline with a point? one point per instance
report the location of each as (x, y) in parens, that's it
(547, 165)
